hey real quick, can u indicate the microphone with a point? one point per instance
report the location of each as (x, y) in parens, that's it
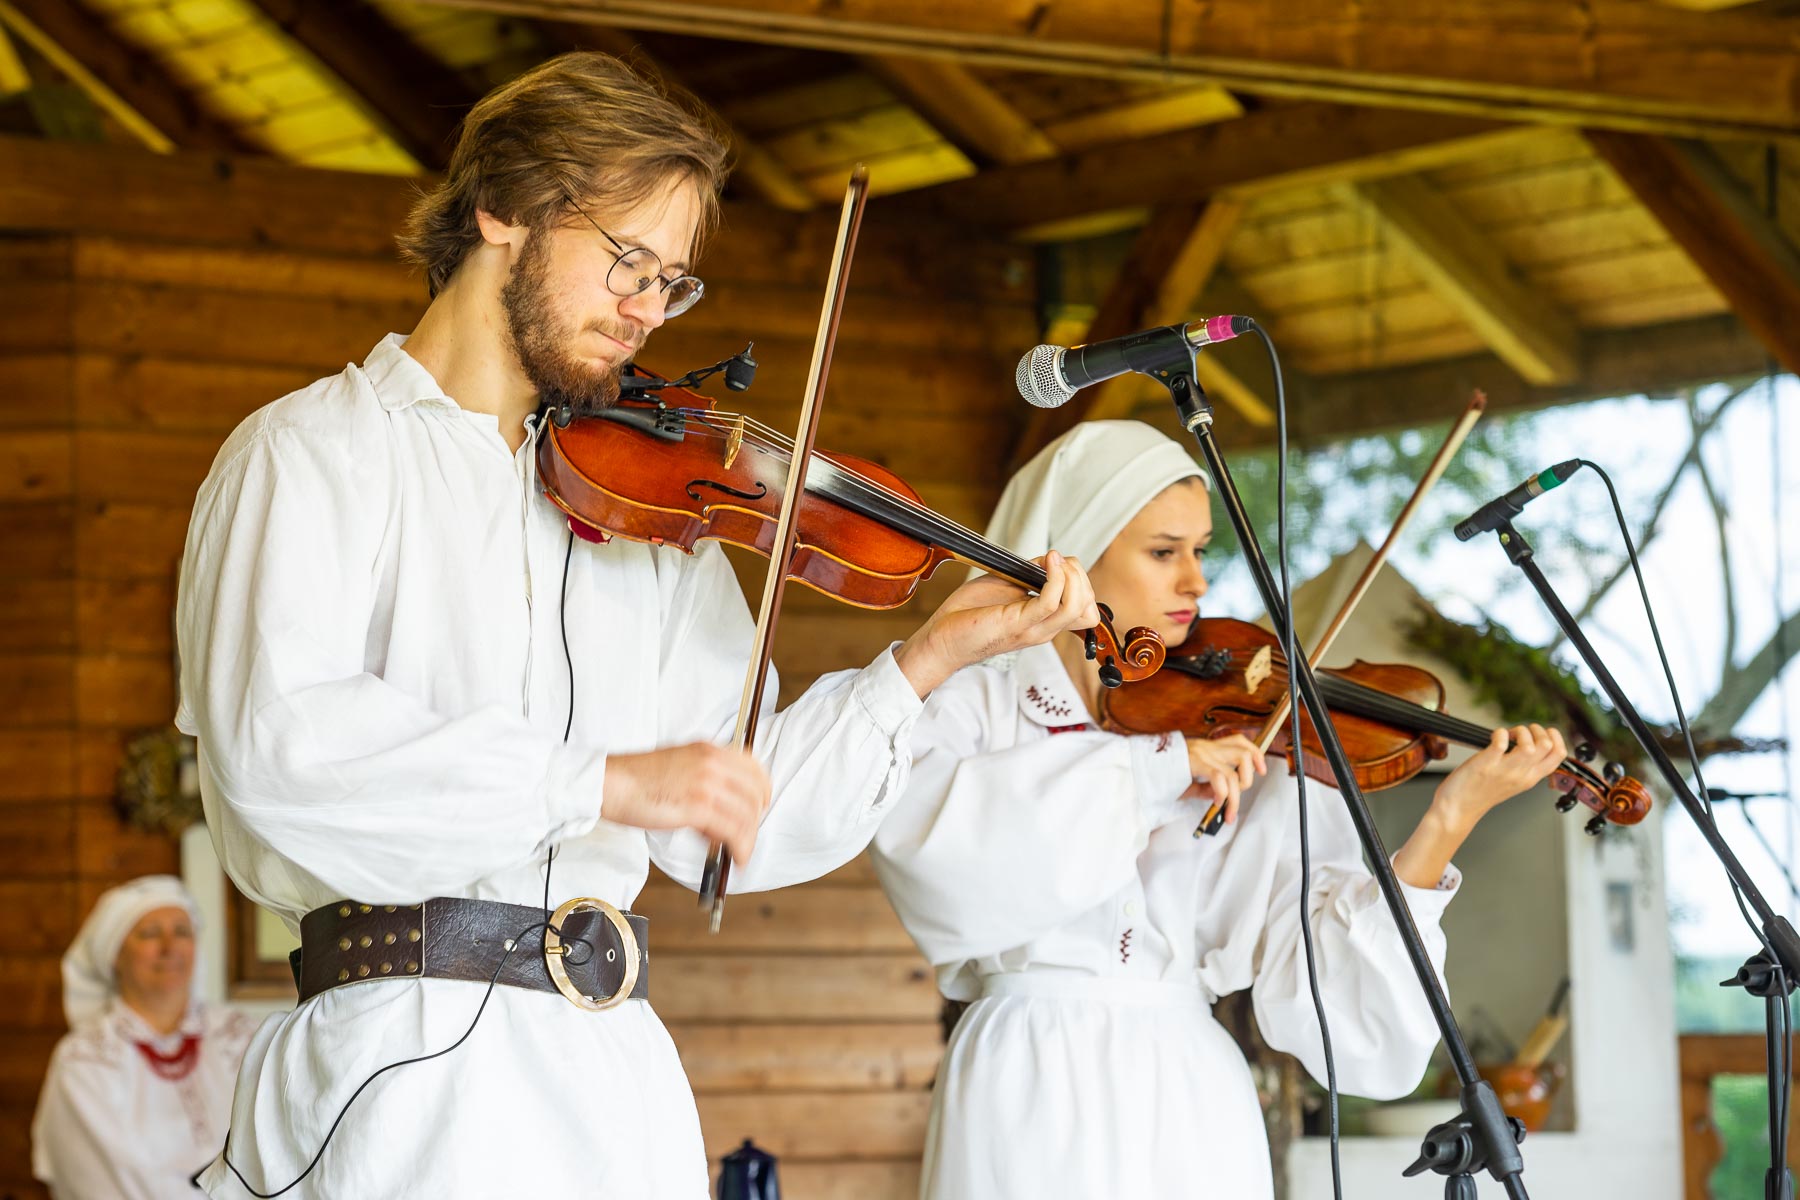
(1494, 513)
(1050, 375)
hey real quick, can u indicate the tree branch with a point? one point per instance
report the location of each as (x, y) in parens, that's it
(1647, 533)
(1743, 685)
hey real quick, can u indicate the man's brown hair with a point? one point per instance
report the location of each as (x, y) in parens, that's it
(581, 126)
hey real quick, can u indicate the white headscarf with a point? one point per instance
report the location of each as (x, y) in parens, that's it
(89, 982)
(1083, 488)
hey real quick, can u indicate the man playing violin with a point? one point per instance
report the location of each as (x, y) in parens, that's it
(1048, 870)
(427, 714)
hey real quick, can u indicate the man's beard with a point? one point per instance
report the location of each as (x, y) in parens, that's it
(540, 337)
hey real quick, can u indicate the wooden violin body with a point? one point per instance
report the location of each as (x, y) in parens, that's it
(620, 476)
(669, 475)
(1229, 676)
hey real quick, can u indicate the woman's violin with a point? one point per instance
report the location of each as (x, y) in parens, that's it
(676, 470)
(1229, 676)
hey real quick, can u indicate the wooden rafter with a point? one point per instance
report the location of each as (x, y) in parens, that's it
(1612, 63)
(126, 83)
(1471, 274)
(760, 172)
(1291, 146)
(1655, 359)
(971, 115)
(415, 98)
(1169, 262)
(1182, 108)
(13, 75)
(1743, 253)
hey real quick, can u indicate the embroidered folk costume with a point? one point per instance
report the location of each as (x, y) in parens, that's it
(1049, 872)
(126, 1112)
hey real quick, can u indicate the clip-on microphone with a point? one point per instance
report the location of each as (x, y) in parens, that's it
(637, 383)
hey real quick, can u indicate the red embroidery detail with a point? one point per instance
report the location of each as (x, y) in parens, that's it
(173, 1067)
(1054, 708)
(1125, 946)
(1164, 741)
(1068, 728)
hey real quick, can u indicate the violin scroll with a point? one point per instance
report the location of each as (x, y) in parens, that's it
(1615, 797)
(1140, 657)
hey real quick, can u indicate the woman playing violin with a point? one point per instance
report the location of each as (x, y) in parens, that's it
(1049, 871)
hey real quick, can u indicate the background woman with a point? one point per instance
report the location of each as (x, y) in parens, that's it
(139, 1090)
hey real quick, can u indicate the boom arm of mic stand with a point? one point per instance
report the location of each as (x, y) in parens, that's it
(1778, 936)
(1494, 1139)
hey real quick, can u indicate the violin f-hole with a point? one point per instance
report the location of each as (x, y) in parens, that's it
(761, 489)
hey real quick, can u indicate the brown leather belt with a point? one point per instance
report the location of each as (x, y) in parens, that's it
(601, 953)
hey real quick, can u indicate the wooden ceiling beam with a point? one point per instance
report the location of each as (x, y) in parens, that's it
(413, 96)
(1656, 360)
(128, 84)
(762, 175)
(1740, 250)
(13, 75)
(1468, 270)
(1608, 63)
(1287, 146)
(1180, 109)
(1168, 264)
(970, 115)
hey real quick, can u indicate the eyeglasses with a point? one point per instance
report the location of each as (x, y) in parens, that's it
(634, 270)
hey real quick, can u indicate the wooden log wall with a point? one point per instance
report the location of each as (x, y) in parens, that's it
(147, 304)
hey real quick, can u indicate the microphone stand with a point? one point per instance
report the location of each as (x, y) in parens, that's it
(1758, 975)
(1482, 1136)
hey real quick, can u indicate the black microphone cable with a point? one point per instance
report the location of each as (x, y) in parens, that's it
(1289, 647)
(511, 944)
(1779, 1104)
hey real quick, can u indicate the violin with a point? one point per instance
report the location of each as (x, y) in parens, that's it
(1229, 676)
(673, 474)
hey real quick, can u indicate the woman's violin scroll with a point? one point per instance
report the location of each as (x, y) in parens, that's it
(1229, 676)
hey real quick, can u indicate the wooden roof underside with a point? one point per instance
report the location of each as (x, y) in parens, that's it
(1532, 196)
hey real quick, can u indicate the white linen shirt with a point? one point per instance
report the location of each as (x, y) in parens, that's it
(1072, 855)
(372, 656)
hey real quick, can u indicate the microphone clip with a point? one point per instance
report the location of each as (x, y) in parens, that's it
(739, 369)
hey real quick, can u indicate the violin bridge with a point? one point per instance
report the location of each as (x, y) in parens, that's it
(734, 440)
(1257, 671)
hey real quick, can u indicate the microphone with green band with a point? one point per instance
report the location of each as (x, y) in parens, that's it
(1495, 513)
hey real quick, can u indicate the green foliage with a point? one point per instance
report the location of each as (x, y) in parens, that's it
(1522, 681)
(1741, 1115)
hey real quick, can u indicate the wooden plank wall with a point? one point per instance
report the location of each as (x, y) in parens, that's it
(147, 304)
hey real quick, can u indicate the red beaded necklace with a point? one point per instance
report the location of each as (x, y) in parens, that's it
(173, 1067)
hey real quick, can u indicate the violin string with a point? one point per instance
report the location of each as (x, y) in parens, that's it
(1405, 712)
(770, 440)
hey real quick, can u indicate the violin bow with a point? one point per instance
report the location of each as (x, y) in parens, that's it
(717, 874)
(1434, 472)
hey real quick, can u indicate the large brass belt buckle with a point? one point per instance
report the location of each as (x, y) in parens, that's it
(555, 951)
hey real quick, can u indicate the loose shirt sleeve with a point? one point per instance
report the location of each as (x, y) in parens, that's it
(993, 847)
(837, 757)
(366, 787)
(1382, 1032)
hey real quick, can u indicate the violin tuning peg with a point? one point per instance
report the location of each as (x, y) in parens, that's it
(1110, 675)
(1585, 752)
(1091, 642)
(1564, 803)
(1614, 772)
(1593, 827)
